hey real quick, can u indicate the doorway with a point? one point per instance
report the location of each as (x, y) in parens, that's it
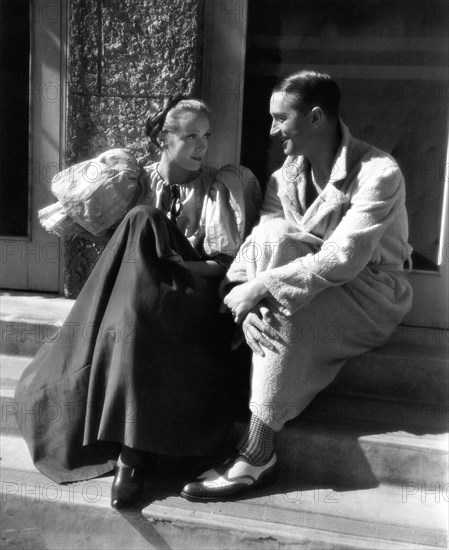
(33, 106)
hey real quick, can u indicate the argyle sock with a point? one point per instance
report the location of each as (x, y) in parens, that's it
(257, 443)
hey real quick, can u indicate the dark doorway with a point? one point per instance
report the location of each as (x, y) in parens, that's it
(390, 59)
(14, 116)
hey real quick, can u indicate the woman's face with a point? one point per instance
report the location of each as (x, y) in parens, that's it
(289, 126)
(188, 144)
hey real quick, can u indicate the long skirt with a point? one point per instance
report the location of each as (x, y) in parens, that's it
(140, 361)
(314, 342)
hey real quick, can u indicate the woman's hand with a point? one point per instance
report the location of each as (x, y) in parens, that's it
(258, 330)
(243, 298)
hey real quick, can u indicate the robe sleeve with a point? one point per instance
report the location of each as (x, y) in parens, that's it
(378, 194)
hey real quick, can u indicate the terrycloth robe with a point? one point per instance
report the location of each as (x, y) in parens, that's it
(334, 271)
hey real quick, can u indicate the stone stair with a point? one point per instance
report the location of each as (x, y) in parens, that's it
(364, 467)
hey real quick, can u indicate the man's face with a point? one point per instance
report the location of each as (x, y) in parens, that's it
(292, 128)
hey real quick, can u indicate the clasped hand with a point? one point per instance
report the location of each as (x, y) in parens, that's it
(258, 331)
(245, 303)
(243, 298)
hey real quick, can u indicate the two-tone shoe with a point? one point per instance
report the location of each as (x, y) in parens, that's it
(233, 477)
(127, 487)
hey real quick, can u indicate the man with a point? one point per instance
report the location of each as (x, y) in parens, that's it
(320, 279)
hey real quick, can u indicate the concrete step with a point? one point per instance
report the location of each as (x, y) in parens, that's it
(291, 514)
(412, 366)
(28, 320)
(342, 441)
(361, 455)
(364, 467)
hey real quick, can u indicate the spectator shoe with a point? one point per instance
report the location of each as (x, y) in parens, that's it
(233, 477)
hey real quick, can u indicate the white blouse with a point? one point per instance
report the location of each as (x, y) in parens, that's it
(191, 198)
(217, 209)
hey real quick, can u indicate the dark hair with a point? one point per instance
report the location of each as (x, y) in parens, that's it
(308, 89)
(167, 119)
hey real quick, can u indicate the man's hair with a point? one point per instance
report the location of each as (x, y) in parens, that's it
(308, 89)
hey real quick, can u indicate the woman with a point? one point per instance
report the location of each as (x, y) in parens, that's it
(320, 279)
(139, 364)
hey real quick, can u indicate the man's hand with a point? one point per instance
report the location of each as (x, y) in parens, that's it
(243, 298)
(258, 330)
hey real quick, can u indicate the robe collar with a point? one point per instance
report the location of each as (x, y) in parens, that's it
(295, 174)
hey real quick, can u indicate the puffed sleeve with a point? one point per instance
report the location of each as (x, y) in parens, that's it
(230, 210)
(272, 205)
(378, 194)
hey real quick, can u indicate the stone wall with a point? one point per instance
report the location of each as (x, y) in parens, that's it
(123, 57)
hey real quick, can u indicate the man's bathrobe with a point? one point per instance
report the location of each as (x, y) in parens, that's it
(334, 270)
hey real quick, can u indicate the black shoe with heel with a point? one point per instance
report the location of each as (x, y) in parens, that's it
(127, 487)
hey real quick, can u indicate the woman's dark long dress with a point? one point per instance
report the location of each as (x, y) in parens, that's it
(140, 360)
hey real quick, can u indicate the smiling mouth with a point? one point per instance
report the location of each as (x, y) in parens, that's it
(196, 158)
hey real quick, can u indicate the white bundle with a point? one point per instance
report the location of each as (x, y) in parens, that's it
(93, 195)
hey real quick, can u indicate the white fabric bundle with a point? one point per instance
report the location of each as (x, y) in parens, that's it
(93, 195)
